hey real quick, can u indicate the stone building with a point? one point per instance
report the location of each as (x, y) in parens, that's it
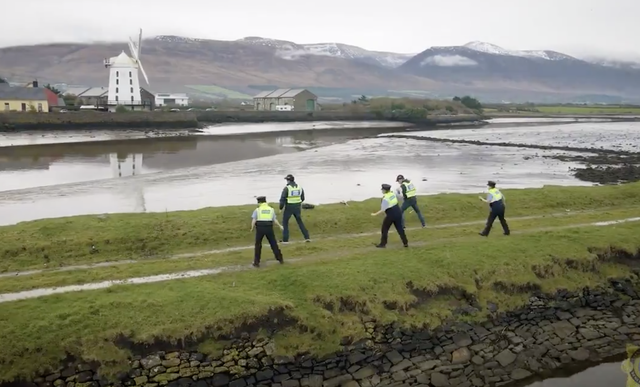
(300, 99)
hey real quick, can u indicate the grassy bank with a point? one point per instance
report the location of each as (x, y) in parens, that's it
(85, 239)
(578, 110)
(325, 287)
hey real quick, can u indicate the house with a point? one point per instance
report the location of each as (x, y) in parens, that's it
(52, 98)
(172, 99)
(23, 99)
(148, 99)
(300, 99)
(94, 96)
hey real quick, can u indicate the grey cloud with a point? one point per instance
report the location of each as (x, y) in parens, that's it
(599, 27)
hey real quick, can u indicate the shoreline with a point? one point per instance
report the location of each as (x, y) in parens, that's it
(16, 122)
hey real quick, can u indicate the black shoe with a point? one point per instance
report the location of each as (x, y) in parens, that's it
(255, 264)
(482, 234)
(424, 226)
(280, 260)
(381, 246)
(507, 233)
(406, 245)
(307, 240)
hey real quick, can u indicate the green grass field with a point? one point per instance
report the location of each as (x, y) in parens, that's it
(218, 91)
(339, 267)
(568, 109)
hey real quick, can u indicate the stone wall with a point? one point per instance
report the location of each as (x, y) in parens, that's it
(550, 333)
(91, 119)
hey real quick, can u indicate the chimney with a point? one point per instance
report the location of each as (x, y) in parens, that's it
(35, 83)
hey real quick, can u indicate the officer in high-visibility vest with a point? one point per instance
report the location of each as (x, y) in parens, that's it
(393, 215)
(410, 199)
(496, 201)
(291, 201)
(262, 220)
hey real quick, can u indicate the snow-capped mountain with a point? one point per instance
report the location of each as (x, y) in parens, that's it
(292, 51)
(497, 50)
(175, 39)
(618, 64)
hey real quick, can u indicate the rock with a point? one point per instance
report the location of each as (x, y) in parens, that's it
(173, 362)
(165, 377)
(477, 360)
(580, 354)
(403, 365)
(150, 361)
(220, 380)
(505, 358)
(563, 328)
(589, 334)
(364, 373)
(429, 364)
(315, 381)
(460, 356)
(462, 339)
(439, 380)
(394, 357)
(140, 380)
(519, 374)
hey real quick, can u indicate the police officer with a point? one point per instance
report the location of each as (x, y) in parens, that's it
(262, 220)
(291, 201)
(496, 201)
(410, 199)
(389, 206)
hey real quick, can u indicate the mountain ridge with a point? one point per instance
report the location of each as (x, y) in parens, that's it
(248, 64)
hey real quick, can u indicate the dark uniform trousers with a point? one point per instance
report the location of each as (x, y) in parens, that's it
(393, 217)
(497, 211)
(294, 210)
(265, 229)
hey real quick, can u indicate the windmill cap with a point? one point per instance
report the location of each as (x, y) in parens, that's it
(386, 187)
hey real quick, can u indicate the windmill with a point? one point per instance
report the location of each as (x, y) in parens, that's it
(124, 82)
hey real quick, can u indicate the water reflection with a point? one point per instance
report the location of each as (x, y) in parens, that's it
(608, 374)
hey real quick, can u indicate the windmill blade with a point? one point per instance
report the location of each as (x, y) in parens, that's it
(133, 49)
(139, 42)
(143, 73)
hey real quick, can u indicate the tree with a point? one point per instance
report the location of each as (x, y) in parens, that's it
(2, 80)
(70, 99)
(363, 99)
(456, 99)
(48, 86)
(471, 103)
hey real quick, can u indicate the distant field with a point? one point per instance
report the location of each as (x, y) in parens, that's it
(589, 109)
(219, 91)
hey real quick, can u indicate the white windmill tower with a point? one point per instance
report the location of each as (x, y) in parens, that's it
(124, 83)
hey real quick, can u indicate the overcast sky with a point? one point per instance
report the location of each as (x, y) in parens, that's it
(578, 27)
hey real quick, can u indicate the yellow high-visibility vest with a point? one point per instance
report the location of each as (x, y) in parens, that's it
(294, 194)
(265, 213)
(392, 199)
(496, 195)
(410, 189)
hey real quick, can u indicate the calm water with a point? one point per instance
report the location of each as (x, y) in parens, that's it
(53, 180)
(608, 374)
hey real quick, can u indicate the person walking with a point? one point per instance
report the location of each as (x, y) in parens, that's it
(496, 201)
(262, 220)
(291, 201)
(410, 199)
(393, 215)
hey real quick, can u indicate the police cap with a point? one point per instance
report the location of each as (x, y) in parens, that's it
(262, 199)
(386, 187)
(491, 183)
(400, 177)
(289, 177)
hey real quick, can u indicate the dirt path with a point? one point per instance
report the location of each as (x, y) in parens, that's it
(36, 293)
(250, 247)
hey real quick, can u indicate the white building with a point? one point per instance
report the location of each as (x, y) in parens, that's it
(172, 99)
(124, 84)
